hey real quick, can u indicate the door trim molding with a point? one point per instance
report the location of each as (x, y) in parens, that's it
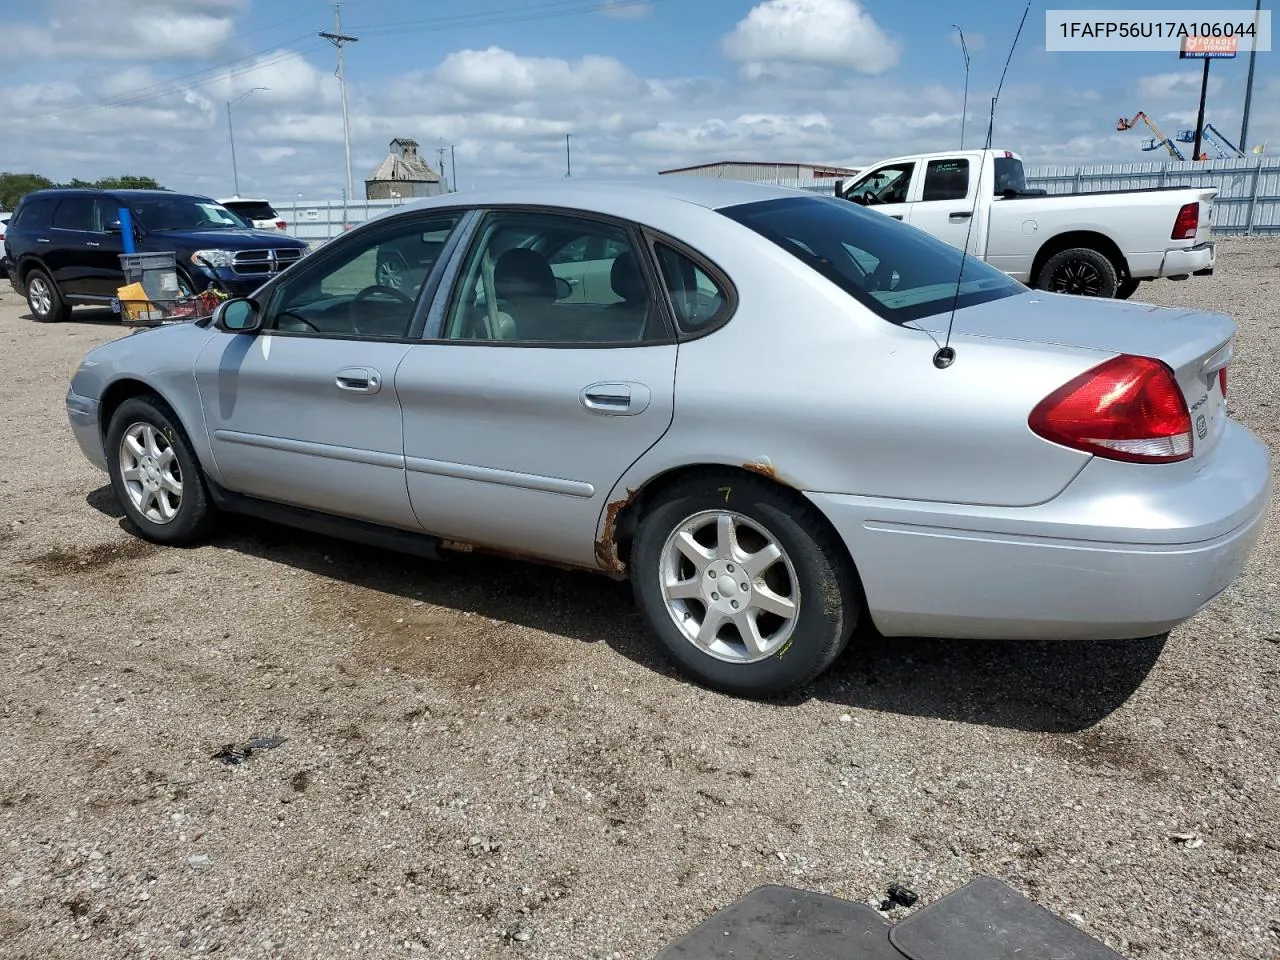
(506, 478)
(311, 449)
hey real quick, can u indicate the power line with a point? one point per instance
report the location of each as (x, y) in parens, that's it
(538, 11)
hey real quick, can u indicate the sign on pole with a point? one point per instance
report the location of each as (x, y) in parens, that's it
(1208, 48)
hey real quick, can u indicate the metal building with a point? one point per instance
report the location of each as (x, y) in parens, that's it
(759, 171)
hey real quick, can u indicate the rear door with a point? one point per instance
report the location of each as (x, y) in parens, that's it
(946, 204)
(70, 257)
(530, 401)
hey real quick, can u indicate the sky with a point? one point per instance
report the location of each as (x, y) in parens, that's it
(92, 88)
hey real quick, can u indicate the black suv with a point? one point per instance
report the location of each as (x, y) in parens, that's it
(63, 247)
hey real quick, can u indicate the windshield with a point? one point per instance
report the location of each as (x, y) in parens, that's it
(184, 213)
(898, 272)
(252, 210)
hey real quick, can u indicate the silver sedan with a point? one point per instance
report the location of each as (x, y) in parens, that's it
(780, 415)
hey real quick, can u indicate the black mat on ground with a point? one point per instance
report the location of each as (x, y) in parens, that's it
(987, 919)
(778, 923)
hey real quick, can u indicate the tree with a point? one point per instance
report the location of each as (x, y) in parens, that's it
(14, 185)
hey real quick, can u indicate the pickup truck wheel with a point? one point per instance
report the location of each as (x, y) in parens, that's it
(1080, 271)
(1127, 288)
(746, 588)
(44, 300)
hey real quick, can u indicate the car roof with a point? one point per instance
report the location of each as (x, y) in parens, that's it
(617, 195)
(225, 200)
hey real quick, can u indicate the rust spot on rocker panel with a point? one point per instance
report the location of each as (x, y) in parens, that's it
(607, 545)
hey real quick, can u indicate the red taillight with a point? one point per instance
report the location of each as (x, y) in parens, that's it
(1188, 222)
(1222, 382)
(1128, 408)
(281, 224)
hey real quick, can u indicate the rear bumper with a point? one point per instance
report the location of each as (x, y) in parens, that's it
(1120, 554)
(1184, 262)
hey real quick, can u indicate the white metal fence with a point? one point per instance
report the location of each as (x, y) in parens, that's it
(1248, 198)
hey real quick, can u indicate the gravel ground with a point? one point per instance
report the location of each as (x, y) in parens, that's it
(488, 759)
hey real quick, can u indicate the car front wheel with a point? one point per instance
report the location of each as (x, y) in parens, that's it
(746, 588)
(155, 474)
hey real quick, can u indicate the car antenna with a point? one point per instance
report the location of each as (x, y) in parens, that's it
(946, 354)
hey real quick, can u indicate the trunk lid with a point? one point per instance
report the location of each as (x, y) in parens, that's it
(1195, 344)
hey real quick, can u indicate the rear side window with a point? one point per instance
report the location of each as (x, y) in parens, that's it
(700, 303)
(946, 180)
(1010, 175)
(33, 215)
(75, 213)
(898, 272)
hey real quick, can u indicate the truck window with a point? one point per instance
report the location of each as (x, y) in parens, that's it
(946, 180)
(1010, 176)
(888, 184)
(896, 271)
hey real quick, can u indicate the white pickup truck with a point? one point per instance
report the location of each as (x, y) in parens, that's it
(1090, 244)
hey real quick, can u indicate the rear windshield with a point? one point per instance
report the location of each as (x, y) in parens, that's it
(898, 272)
(1010, 175)
(252, 210)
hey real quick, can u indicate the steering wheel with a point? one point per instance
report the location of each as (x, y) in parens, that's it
(369, 292)
(301, 319)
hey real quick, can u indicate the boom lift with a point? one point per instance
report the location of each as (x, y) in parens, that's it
(1226, 149)
(1160, 139)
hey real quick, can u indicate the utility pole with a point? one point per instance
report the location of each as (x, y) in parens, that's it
(453, 166)
(964, 110)
(1204, 92)
(231, 133)
(1248, 87)
(568, 163)
(340, 40)
(442, 176)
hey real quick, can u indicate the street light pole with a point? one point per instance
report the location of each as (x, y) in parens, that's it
(964, 110)
(231, 133)
(1248, 87)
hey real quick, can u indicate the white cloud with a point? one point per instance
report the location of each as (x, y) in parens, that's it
(832, 33)
(626, 9)
(1160, 86)
(90, 30)
(974, 41)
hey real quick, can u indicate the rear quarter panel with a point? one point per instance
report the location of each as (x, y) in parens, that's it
(806, 384)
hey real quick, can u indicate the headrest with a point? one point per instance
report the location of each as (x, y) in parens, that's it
(523, 274)
(626, 280)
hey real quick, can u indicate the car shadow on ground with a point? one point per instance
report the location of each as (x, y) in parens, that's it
(94, 316)
(1046, 687)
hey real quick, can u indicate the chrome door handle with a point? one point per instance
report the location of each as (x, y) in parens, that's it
(41, 240)
(615, 399)
(960, 215)
(359, 380)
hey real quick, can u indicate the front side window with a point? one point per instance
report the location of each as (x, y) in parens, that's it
(898, 272)
(523, 284)
(889, 184)
(370, 289)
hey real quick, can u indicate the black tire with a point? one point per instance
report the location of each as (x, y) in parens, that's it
(194, 513)
(1127, 288)
(1081, 271)
(822, 573)
(38, 282)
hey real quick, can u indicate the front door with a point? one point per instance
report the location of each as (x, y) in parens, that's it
(946, 205)
(533, 396)
(305, 412)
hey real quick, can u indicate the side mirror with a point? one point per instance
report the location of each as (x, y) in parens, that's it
(240, 315)
(564, 289)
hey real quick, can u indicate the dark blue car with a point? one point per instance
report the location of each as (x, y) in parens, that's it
(63, 247)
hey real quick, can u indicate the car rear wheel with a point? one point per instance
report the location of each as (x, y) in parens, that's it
(44, 300)
(1127, 288)
(155, 474)
(1081, 271)
(746, 588)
